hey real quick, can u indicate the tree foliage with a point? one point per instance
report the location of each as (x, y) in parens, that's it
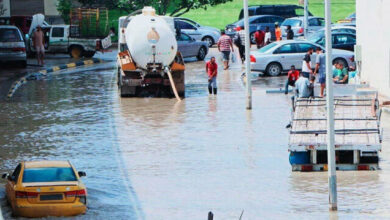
(64, 7)
(163, 7)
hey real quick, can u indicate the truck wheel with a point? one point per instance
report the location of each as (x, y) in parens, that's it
(89, 54)
(75, 51)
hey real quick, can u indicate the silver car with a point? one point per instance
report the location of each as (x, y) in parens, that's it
(278, 57)
(12, 46)
(197, 31)
(189, 47)
(296, 23)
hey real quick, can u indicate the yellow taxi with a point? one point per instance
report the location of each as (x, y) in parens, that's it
(46, 188)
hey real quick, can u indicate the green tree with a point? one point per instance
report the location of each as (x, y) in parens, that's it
(172, 7)
(64, 7)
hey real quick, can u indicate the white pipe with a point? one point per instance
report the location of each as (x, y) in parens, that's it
(247, 58)
(332, 181)
(173, 84)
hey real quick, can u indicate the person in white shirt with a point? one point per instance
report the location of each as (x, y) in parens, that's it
(267, 37)
(306, 64)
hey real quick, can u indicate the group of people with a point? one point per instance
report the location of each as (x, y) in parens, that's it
(225, 47)
(304, 81)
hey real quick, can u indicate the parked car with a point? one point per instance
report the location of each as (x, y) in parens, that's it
(189, 47)
(340, 40)
(255, 22)
(296, 23)
(278, 57)
(337, 29)
(285, 11)
(46, 188)
(197, 31)
(349, 19)
(12, 46)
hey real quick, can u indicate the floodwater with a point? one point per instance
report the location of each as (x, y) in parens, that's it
(156, 158)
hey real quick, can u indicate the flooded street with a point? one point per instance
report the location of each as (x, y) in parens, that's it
(158, 158)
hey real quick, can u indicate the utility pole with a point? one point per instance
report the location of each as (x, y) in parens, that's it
(332, 181)
(305, 17)
(247, 58)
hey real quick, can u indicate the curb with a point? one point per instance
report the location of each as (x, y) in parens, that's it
(46, 72)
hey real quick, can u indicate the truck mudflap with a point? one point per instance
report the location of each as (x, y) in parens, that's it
(341, 167)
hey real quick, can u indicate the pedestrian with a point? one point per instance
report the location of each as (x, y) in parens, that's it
(278, 32)
(241, 49)
(212, 71)
(320, 69)
(259, 38)
(225, 45)
(340, 75)
(290, 33)
(304, 87)
(306, 63)
(267, 36)
(38, 43)
(292, 77)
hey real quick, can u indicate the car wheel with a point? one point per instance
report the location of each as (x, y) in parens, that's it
(252, 35)
(274, 69)
(209, 41)
(76, 51)
(201, 53)
(341, 60)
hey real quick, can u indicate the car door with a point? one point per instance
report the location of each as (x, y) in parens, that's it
(11, 184)
(302, 49)
(184, 45)
(58, 39)
(189, 29)
(287, 55)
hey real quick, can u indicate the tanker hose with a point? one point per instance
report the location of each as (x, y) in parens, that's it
(172, 83)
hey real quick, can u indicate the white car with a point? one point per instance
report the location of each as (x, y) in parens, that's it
(278, 57)
(296, 23)
(197, 31)
(12, 46)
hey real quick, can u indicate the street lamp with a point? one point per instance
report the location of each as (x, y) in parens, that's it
(247, 58)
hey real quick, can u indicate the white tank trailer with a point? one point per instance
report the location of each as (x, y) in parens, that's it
(147, 54)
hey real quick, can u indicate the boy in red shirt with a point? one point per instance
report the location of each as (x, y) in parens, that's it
(292, 76)
(212, 71)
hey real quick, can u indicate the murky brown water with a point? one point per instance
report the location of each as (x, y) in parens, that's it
(160, 159)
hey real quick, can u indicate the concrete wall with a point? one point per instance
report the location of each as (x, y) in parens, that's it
(51, 7)
(6, 5)
(373, 34)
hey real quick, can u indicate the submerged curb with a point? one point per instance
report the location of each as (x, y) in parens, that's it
(48, 71)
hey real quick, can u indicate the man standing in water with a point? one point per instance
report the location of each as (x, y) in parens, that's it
(224, 45)
(212, 70)
(39, 42)
(320, 69)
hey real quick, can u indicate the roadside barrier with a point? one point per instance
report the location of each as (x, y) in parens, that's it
(46, 72)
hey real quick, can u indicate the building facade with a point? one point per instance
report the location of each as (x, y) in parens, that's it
(30, 7)
(373, 36)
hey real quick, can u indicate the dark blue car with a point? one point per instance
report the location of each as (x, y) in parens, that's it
(255, 22)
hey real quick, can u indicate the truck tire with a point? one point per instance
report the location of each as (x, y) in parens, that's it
(76, 52)
(89, 54)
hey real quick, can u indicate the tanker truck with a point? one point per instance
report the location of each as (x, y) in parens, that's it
(149, 64)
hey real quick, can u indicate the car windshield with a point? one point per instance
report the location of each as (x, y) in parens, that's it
(239, 23)
(316, 37)
(292, 22)
(9, 35)
(48, 174)
(268, 47)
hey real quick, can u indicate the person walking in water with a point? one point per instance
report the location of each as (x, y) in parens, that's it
(212, 71)
(224, 45)
(278, 32)
(242, 48)
(39, 42)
